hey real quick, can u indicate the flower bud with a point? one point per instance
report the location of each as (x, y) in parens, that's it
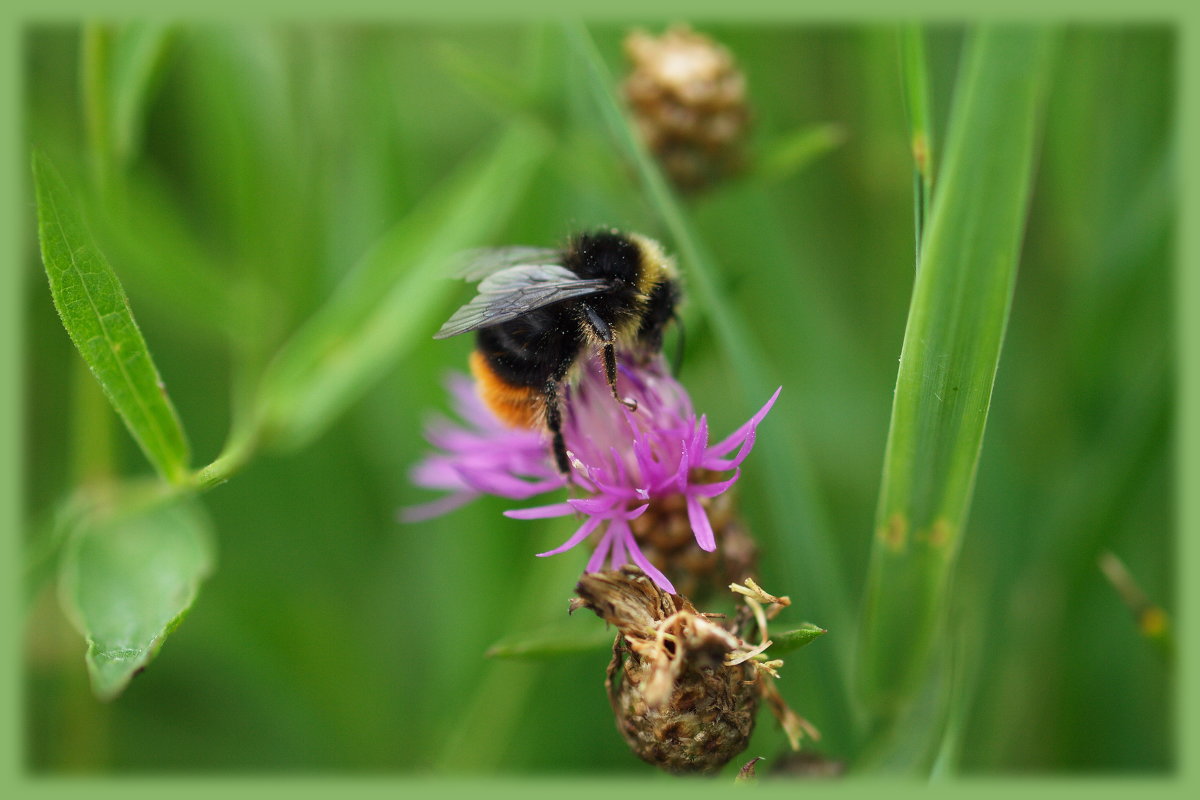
(688, 99)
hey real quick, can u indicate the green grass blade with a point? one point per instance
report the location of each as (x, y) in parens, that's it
(127, 580)
(96, 314)
(395, 294)
(918, 103)
(956, 324)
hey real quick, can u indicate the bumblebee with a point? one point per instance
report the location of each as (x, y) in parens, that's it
(538, 311)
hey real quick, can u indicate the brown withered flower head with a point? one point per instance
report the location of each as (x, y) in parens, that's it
(688, 98)
(685, 689)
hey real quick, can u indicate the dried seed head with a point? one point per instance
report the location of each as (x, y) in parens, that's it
(689, 102)
(678, 704)
(665, 535)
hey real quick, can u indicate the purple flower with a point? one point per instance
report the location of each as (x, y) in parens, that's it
(624, 461)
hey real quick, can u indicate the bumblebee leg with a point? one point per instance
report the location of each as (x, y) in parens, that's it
(605, 335)
(554, 423)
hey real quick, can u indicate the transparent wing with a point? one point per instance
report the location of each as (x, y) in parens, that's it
(509, 293)
(472, 265)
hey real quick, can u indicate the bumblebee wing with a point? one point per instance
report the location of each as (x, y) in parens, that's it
(509, 293)
(473, 265)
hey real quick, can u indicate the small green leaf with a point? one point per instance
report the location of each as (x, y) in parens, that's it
(126, 581)
(794, 151)
(787, 641)
(565, 638)
(96, 314)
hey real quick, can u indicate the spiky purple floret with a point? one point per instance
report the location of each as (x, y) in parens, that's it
(623, 460)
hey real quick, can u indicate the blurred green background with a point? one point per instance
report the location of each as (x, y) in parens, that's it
(259, 164)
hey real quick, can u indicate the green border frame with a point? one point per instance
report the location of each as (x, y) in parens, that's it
(14, 207)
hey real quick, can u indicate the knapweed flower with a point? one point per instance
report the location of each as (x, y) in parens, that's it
(623, 462)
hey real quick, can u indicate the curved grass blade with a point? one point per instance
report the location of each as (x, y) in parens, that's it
(956, 323)
(392, 297)
(127, 580)
(96, 314)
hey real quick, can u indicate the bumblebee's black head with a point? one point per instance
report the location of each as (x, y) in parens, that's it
(605, 254)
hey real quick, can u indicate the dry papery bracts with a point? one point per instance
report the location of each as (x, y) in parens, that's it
(686, 686)
(688, 99)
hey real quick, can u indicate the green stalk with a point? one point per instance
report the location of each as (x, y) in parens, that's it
(959, 309)
(94, 83)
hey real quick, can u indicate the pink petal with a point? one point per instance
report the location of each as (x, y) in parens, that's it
(618, 530)
(584, 531)
(594, 505)
(540, 512)
(723, 464)
(701, 527)
(637, 512)
(436, 508)
(647, 567)
(684, 465)
(596, 562)
(737, 436)
(713, 489)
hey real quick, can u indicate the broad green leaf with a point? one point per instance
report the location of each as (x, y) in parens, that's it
(567, 637)
(787, 641)
(126, 581)
(96, 314)
(951, 349)
(395, 295)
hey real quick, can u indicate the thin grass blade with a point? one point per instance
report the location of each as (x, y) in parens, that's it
(918, 103)
(948, 363)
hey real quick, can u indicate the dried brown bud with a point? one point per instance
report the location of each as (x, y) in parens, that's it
(689, 102)
(677, 703)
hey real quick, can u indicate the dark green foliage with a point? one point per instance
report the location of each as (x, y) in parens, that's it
(274, 201)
